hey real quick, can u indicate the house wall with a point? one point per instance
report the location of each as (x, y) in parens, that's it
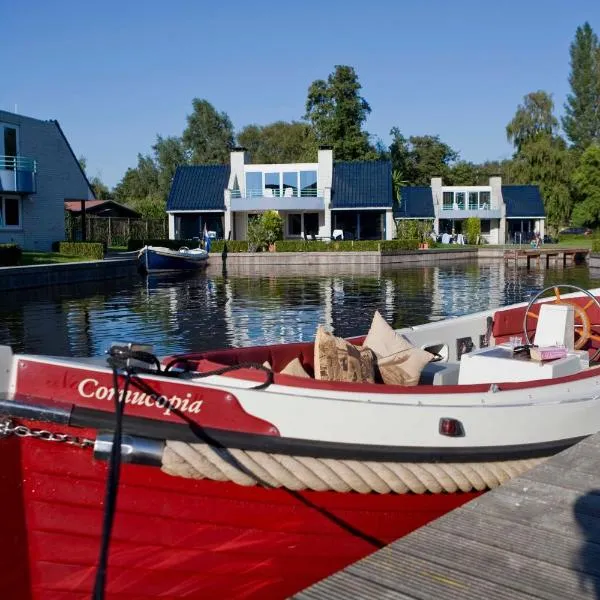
(58, 177)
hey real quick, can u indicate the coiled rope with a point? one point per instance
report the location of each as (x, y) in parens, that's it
(248, 468)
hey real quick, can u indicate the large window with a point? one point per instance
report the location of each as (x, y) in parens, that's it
(295, 224)
(448, 200)
(272, 184)
(254, 184)
(10, 212)
(290, 184)
(308, 183)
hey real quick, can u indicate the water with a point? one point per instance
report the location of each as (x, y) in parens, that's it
(201, 311)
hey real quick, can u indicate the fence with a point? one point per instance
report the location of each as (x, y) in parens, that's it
(115, 231)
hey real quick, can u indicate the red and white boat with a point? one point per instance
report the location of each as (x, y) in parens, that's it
(234, 484)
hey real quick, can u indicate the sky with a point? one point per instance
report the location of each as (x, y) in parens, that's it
(116, 74)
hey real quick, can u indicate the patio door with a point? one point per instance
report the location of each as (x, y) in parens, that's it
(8, 146)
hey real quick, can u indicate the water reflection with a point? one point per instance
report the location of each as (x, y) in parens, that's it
(249, 305)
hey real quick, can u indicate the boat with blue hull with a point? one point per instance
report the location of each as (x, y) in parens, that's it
(155, 258)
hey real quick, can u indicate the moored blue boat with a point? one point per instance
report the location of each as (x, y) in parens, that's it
(156, 258)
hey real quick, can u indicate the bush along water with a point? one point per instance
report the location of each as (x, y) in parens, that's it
(264, 231)
(91, 250)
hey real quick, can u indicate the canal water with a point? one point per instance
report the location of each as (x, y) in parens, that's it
(200, 311)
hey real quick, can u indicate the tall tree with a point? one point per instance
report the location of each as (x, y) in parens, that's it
(279, 142)
(338, 112)
(586, 181)
(582, 109)
(534, 117)
(542, 157)
(209, 134)
(169, 153)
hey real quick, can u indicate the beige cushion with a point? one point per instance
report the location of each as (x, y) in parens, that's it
(398, 361)
(295, 367)
(267, 364)
(339, 360)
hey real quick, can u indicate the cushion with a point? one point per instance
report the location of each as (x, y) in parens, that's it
(338, 360)
(398, 361)
(295, 367)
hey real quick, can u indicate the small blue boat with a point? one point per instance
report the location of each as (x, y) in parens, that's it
(157, 258)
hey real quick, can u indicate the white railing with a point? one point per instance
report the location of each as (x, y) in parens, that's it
(278, 193)
(17, 163)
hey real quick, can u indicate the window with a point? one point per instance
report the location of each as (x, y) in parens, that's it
(485, 226)
(10, 212)
(473, 200)
(484, 200)
(459, 198)
(311, 223)
(448, 199)
(308, 183)
(272, 184)
(295, 224)
(10, 147)
(254, 184)
(290, 184)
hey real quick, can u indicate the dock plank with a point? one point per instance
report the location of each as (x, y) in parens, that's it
(537, 536)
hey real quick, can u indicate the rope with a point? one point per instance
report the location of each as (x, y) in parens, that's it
(248, 468)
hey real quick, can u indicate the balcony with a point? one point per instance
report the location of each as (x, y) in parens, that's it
(17, 174)
(462, 211)
(277, 199)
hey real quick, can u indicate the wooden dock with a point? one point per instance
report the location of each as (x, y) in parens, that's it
(537, 536)
(560, 256)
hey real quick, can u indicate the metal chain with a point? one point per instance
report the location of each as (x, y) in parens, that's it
(7, 428)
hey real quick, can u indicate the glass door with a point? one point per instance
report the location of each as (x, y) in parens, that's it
(8, 147)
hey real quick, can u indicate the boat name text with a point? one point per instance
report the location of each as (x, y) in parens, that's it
(91, 388)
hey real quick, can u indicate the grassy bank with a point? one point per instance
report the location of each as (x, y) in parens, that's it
(48, 258)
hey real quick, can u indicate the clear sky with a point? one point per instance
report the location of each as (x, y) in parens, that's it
(115, 74)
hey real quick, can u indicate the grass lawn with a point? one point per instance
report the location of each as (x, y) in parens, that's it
(48, 258)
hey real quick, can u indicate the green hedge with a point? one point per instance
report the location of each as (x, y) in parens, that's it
(346, 246)
(91, 250)
(232, 246)
(10, 255)
(596, 246)
(172, 244)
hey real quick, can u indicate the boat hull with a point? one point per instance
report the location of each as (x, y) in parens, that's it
(181, 538)
(153, 261)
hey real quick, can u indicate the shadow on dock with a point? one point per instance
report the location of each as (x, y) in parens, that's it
(587, 563)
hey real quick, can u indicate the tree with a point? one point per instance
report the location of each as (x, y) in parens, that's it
(337, 113)
(582, 109)
(546, 161)
(465, 173)
(586, 181)
(534, 117)
(100, 190)
(169, 153)
(279, 142)
(208, 136)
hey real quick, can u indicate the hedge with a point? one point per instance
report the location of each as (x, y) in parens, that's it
(346, 246)
(172, 244)
(10, 255)
(596, 246)
(91, 250)
(232, 246)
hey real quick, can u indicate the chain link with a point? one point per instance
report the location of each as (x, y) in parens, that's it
(7, 428)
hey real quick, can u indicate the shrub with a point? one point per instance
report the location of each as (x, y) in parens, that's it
(346, 246)
(413, 229)
(264, 231)
(596, 246)
(472, 230)
(172, 244)
(10, 255)
(232, 246)
(91, 250)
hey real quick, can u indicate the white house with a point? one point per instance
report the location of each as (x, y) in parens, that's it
(314, 199)
(38, 172)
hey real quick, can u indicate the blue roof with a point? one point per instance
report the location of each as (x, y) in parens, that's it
(365, 184)
(416, 203)
(523, 201)
(199, 187)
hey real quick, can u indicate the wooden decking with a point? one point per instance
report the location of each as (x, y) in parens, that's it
(537, 536)
(560, 256)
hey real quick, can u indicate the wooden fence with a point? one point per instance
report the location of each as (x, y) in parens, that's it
(115, 231)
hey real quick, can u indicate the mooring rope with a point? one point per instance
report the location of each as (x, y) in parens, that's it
(248, 468)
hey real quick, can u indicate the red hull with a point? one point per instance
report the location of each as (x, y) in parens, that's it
(179, 538)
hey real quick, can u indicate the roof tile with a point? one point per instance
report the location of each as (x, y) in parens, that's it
(199, 187)
(365, 184)
(523, 201)
(416, 203)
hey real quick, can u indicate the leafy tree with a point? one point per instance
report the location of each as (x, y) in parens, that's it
(534, 117)
(337, 113)
(209, 134)
(279, 142)
(582, 109)
(546, 161)
(265, 230)
(169, 153)
(586, 181)
(100, 190)
(465, 173)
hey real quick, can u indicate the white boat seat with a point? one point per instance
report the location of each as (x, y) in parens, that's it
(440, 373)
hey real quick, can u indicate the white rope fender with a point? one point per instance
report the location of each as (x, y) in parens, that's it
(247, 468)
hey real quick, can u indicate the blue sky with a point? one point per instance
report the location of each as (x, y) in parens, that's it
(115, 74)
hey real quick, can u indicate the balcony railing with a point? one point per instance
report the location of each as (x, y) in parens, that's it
(450, 207)
(17, 174)
(278, 193)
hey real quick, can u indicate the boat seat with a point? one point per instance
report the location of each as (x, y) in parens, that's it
(440, 373)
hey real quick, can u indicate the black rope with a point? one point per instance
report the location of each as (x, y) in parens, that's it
(112, 482)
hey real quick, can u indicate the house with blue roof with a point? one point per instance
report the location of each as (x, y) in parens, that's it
(323, 200)
(508, 213)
